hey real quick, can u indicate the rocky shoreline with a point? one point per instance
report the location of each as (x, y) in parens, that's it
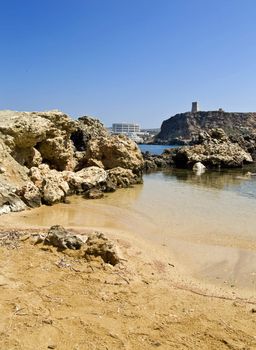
(47, 156)
(210, 149)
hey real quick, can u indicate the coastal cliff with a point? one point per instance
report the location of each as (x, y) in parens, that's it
(184, 127)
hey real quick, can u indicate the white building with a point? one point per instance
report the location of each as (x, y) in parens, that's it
(123, 128)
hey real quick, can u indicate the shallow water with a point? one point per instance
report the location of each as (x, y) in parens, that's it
(155, 149)
(206, 222)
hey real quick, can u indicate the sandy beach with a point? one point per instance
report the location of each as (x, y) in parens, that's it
(58, 301)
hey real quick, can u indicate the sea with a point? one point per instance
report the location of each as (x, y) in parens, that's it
(155, 149)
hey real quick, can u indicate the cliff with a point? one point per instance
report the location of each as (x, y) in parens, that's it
(185, 126)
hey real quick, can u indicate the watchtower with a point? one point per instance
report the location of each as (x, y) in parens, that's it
(195, 107)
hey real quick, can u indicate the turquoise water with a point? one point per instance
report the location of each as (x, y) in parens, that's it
(155, 149)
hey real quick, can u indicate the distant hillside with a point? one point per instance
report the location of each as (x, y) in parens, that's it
(184, 126)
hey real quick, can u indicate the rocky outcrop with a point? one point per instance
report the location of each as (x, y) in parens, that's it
(155, 162)
(36, 137)
(184, 127)
(214, 150)
(46, 156)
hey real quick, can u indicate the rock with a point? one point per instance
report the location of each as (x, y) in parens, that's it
(39, 152)
(155, 161)
(30, 194)
(55, 190)
(115, 151)
(94, 194)
(149, 165)
(92, 176)
(2, 170)
(27, 133)
(120, 177)
(187, 126)
(87, 128)
(98, 245)
(60, 238)
(199, 168)
(9, 201)
(215, 150)
(50, 183)
(85, 179)
(29, 157)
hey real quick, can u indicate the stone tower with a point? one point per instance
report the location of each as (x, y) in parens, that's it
(195, 107)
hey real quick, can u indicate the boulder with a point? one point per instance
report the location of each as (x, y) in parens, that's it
(199, 168)
(121, 177)
(85, 179)
(9, 200)
(115, 151)
(50, 183)
(99, 246)
(94, 193)
(60, 238)
(30, 194)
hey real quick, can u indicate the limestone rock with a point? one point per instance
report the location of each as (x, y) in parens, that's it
(30, 194)
(87, 128)
(58, 237)
(39, 152)
(158, 161)
(85, 179)
(215, 150)
(115, 151)
(199, 168)
(9, 201)
(186, 126)
(94, 193)
(98, 245)
(47, 132)
(121, 177)
(51, 184)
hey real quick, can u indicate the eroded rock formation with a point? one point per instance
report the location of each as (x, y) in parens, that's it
(214, 149)
(46, 156)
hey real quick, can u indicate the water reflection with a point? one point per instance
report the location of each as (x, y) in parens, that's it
(235, 180)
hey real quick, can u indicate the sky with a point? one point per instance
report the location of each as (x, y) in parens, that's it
(127, 60)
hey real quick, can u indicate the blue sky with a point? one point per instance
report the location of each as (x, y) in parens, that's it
(127, 60)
